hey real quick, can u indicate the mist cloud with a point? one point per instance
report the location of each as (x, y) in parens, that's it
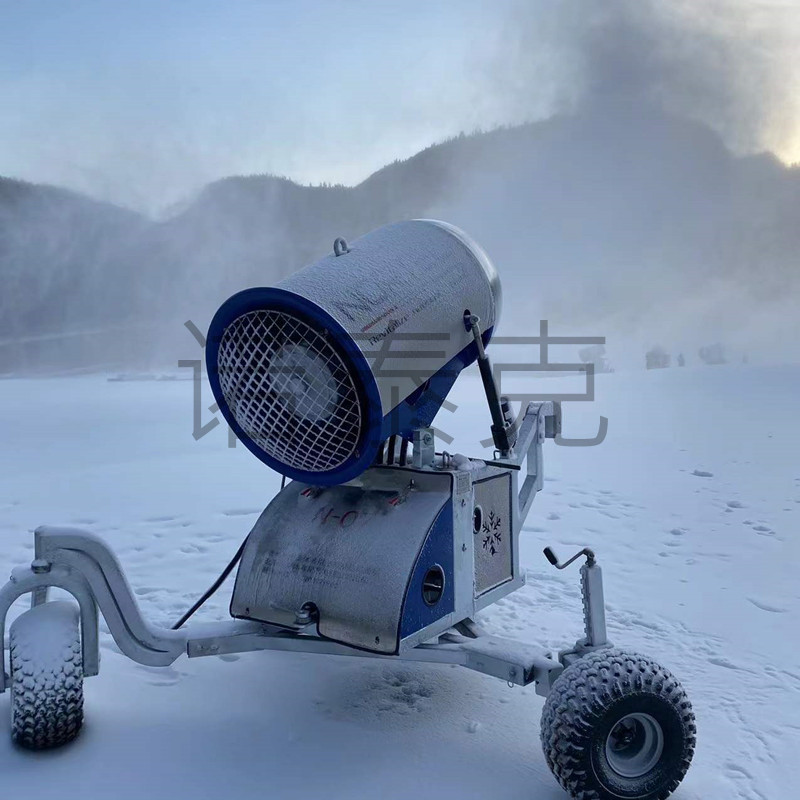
(728, 63)
(615, 217)
(143, 106)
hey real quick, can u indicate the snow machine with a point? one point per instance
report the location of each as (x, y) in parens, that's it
(378, 546)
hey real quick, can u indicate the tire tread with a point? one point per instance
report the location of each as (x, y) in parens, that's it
(579, 697)
(46, 678)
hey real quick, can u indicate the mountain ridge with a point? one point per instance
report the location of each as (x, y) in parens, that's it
(602, 217)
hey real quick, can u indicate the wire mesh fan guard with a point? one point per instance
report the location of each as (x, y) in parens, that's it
(290, 390)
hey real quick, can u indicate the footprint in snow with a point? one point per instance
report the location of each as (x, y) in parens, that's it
(160, 676)
(767, 606)
(699, 473)
(727, 664)
(473, 727)
(212, 537)
(242, 512)
(761, 530)
(735, 504)
(190, 549)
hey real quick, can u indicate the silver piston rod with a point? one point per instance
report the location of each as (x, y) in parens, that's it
(503, 431)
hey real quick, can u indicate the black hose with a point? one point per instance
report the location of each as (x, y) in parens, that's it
(217, 583)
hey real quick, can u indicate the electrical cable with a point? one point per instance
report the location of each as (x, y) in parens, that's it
(219, 581)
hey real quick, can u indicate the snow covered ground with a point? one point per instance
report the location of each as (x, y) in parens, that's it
(692, 504)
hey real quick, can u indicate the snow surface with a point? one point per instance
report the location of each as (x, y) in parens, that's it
(691, 504)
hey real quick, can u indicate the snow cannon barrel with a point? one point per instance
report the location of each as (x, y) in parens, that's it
(315, 373)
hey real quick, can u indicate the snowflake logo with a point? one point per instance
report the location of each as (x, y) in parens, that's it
(492, 535)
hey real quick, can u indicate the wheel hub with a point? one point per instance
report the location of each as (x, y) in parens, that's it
(634, 745)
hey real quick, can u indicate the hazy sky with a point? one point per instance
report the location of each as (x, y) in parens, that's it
(127, 99)
(142, 102)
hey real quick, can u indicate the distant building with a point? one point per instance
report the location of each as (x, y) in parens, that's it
(657, 358)
(595, 354)
(712, 354)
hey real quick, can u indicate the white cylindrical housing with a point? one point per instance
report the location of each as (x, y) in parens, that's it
(314, 373)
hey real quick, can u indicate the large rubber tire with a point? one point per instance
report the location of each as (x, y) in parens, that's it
(46, 676)
(612, 715)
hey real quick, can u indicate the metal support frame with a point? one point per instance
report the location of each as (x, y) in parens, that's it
(424, 448)
(541, 420)
(82, 564)
(512, 661)
(26, 580)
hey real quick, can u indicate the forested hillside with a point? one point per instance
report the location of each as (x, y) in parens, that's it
(640, 224)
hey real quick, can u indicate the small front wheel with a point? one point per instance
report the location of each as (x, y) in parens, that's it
(46, 676)
(618, 725)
